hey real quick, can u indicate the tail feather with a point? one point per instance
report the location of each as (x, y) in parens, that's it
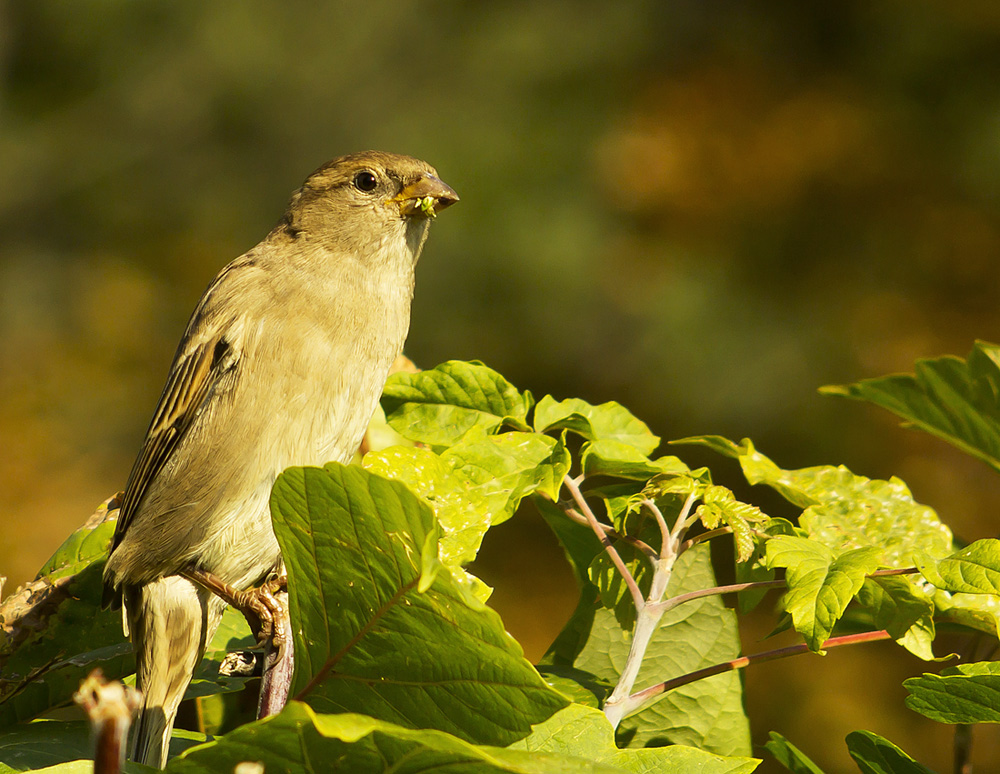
(170, 622)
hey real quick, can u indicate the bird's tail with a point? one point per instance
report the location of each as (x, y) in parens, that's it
(170, 623)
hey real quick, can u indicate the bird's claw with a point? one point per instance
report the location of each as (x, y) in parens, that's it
(265, 613)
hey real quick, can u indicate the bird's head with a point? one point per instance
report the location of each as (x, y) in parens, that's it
(372, 205)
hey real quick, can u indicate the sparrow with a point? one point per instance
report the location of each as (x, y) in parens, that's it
(282, 364)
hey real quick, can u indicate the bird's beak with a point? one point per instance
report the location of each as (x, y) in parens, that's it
(426, 196)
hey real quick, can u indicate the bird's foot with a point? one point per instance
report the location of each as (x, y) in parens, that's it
(265, 613)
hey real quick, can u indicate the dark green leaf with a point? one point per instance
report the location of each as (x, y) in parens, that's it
(968, 693)
(707, 714)
(45, 743)
(233, 634)
(875, 755)
(954, 399)
(790, 756)
(381, 628)
(62, 633)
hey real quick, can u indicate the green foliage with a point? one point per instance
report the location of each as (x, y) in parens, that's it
(62, 633)
(973, 570)
(608, 422)
(843, 510)
(401, 665)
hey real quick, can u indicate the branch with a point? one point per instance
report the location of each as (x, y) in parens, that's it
(637, 699)
(574, 488)
(610, 531)
(704, 536)
(649, 612)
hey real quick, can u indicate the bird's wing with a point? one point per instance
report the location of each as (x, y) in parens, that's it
(194, 376)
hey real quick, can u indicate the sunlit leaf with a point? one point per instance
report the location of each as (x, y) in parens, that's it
(973, 570)
(301, 740)
(439, 406)
(820, 583)
(587, 733)
(607, 422)
(968, 693)
(844, 510)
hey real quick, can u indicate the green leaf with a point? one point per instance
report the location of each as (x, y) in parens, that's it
(904, 610)
(968, 693)
(755, 568)
(954, 399)
(720, 505)
(62, 632)
(607, 422)
(611, 586)
(438, 407)
(579, 543)
(843, 510)
(579, 686)
(820, 584)
(300, 740)
(790, 756)
(980, 612)
(381, 628)
(475, 484)
(586, 733)
(973, 570)
(875, 755)
(614, 458)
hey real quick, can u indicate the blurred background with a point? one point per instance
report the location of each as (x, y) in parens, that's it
(702, 210)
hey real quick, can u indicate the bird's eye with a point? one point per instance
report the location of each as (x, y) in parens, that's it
(365, 181)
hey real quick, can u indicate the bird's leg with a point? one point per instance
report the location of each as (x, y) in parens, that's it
(259, 605)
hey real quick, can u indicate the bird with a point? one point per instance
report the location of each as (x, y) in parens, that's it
(282, 364)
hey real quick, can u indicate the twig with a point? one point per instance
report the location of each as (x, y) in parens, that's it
(649, 611)
(680, 599)
(704, 536)
(573, 485)
(641, 697)
(610, 531)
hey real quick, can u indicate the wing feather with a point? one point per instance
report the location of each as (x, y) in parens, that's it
(192, 380)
